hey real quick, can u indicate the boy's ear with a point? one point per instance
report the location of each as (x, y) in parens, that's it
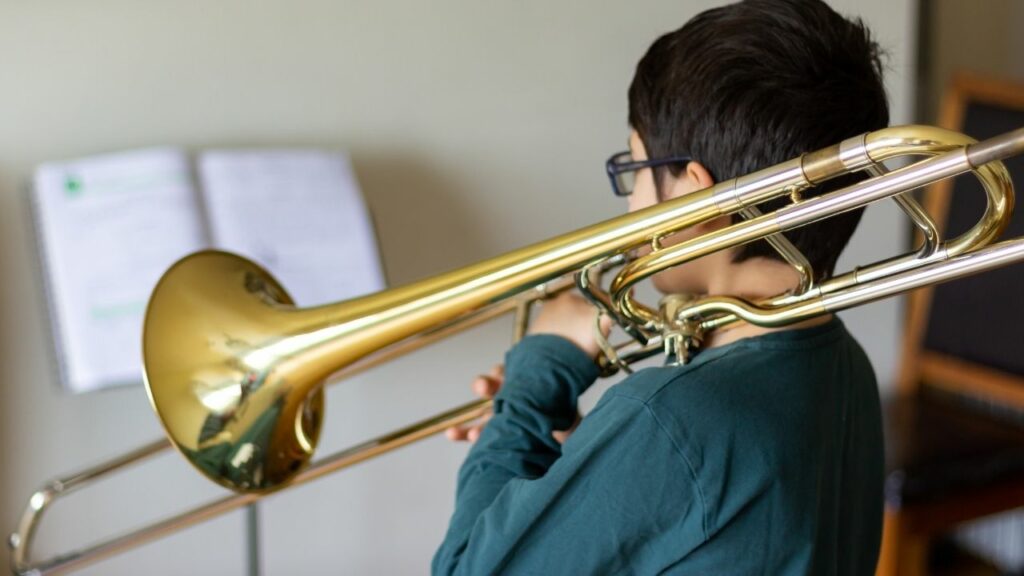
(699, 175)
(695, 177)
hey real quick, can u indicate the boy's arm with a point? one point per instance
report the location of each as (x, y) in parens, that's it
(522, 502)
(544, 377)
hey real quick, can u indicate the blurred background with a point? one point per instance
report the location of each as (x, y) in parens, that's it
(473, 128)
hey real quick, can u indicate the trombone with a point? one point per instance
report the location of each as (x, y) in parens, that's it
(235, 371)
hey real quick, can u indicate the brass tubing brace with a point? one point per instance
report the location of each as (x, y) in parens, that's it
(999, 194)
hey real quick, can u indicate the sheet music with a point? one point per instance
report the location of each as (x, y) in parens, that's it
(109, 226)
(299, 213)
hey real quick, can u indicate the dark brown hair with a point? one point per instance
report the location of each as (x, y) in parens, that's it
(751, 84)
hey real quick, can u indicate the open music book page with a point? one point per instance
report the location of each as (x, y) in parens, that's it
(108, 227)
(299, 213)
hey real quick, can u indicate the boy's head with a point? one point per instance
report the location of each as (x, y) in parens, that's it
(751, 84)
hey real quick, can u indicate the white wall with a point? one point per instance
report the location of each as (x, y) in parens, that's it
(474, 127)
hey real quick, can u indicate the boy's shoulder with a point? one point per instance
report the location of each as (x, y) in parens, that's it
(750, 368)
(650, 385)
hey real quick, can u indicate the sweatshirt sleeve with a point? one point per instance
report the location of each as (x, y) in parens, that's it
(524, 503)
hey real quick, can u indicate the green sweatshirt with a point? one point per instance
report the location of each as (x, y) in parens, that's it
(763, 456)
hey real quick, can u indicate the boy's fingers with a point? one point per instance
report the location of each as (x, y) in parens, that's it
(463, 432)
(486, 386)
(477, 429)
(455, 434)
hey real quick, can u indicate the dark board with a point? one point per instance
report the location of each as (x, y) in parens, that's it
(981, 318)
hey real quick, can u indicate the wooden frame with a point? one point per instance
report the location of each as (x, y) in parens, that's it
(907, 533)
(940, 370)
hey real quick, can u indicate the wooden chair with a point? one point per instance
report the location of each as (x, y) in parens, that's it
(954, 430)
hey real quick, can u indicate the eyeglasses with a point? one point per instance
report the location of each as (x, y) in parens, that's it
(622, 170)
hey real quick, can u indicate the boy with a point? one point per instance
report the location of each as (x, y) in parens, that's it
(763, 455)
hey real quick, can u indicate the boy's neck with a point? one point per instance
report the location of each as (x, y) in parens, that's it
(755, 279)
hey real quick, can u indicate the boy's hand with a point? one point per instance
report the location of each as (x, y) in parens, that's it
(486, 386)
(570, 316)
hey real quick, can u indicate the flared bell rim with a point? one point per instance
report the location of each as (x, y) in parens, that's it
(269, 441)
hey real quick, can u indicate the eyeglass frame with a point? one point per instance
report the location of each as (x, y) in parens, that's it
(614, 169)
